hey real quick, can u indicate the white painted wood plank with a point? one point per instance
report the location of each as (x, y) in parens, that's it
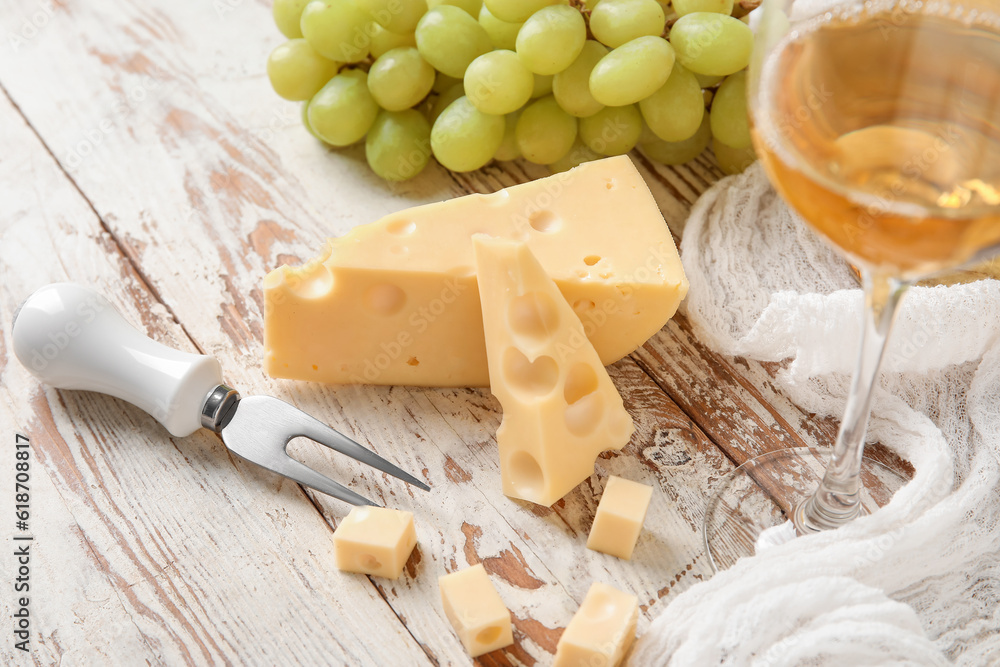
(150, 548)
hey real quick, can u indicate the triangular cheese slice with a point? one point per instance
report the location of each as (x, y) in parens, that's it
(396, 301)
(560, 408)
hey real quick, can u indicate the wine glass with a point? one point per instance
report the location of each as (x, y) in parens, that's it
(879, 123)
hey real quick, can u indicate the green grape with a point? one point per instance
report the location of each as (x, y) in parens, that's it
(296, 71)
(398, 145)
(443, 82)
(712, 44)
(732, 160)
(498, 83)
(571, 87)
(551, 39)
(674, 112)
(287, 16)
(542, 87)
(576, 156)
(400, 78)
(508, 147)
(305, 121)
(706, 80)
(615, 22)
(449, 39)
(612, 130)
(516, 11)
(471, 7)
(343, 110)
(400, 16)
(676, 152)
(337, 29)
(545, 133)
(632, 72)
(729, 112)
(464, 138)
(502, 34)
(384, 41)
(445, 99)
(684, 7)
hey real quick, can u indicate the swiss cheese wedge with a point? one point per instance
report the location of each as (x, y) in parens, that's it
(396, 301)
(560, 408)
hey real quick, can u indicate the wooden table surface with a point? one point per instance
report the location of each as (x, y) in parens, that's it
(144, 153)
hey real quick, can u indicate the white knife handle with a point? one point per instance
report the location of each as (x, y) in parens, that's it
(71, 337)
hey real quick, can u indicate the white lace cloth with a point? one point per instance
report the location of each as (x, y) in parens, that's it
(919, 581)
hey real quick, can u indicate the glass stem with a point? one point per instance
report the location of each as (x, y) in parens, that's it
(837, 500)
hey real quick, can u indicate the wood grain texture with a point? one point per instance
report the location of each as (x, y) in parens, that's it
(139, 537)
(166, 173)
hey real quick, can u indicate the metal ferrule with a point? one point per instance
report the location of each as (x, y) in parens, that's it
(219, 407)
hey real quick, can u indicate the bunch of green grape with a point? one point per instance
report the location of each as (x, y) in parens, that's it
(470, 81)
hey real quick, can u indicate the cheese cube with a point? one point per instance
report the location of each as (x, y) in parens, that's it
(475, 610)
(601, 630)
(619, 517)
(397, 301)
(560, 408)
(374, 540)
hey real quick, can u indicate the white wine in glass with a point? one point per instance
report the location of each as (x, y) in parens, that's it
(879, 123)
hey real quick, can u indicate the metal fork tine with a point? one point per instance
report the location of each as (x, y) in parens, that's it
(259, 429)
(303, 474)
(316, 430)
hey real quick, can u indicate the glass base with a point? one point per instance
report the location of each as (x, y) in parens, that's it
(751, 508)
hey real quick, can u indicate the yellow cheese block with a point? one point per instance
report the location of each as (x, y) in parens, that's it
(396, 301)
(560, 408)
(374, 540)
(601, 632)
(475, 610)
(619, 518)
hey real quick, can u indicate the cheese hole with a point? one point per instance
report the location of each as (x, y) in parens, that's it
(310, 283)
(315, 367)
(530, 378)
(488, 635)
(498, 198)
(590, 260)
(533, 315)
(606, 274)
(413, 361)
(369, 562)
(526, 475)
(583, 305)
(600, 607)
(385, 299)
(401, 227)
(580, 381)
(583, 416)
(610, 185)
(545, 222)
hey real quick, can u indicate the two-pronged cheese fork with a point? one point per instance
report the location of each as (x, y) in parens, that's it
(71, 337)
